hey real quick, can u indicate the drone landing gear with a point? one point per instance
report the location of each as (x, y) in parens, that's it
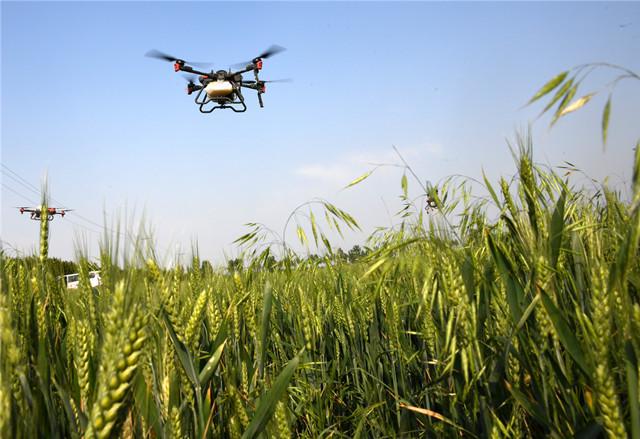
(236, 105)
(37, 217)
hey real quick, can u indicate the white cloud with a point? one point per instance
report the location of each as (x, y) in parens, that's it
(354, 164)
(335, 173)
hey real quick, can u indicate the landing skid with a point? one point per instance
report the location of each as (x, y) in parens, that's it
(237, 105)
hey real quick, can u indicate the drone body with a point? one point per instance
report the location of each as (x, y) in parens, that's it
(36, 212)
(222, 89)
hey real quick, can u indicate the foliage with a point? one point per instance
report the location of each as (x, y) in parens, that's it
(566, 85)
(524, 326)
(527, 325)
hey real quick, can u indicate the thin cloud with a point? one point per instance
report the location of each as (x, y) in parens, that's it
(326, 173)
(351, 166)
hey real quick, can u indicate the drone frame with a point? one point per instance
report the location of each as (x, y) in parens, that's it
(237, 105)
(222, 102)
(36, 214)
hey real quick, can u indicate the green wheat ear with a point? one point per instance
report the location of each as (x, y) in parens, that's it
(121, 352)
(519, 320)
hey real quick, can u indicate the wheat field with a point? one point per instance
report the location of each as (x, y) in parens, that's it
(524, 323)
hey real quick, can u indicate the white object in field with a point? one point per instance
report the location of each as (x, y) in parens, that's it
(216, 89)
(73, 280)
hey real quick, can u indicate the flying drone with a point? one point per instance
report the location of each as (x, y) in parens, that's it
(222, 89)
(430, 204)
(36, 212)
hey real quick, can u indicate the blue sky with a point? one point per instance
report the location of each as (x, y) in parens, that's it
(443, 82)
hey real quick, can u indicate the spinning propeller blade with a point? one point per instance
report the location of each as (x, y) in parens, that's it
(153, 53)
(273, 50)
(191, 85)
(189, 79)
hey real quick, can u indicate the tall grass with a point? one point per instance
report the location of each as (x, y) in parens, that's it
(528, 325)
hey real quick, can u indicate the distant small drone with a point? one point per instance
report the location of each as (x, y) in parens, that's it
(430, 203)
(36, 212)
(222, 89)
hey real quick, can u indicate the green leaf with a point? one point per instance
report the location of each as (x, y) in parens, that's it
(605, 120)
(209, 368)
(591, 431)
(244, 238)
(490, 189)
(183, 353)
(532, 407)
(374, 267)
(326, 243)
(302, 236)
(405, 185)
(337, 226)
(549, 86)
(314, 227)
(435, 415)
(563, 104)
(566, 335)
(66, 403)
(561, 91)
(515, 291)
(359, 179)
(556, 230)
(268, 402)
(146, 404)
(264, 327)
(577, 104)
(631, 363)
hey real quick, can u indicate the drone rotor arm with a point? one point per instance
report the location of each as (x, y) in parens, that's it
(249, 84)
(248, 68)
(189, 69)
(178, 64)
(191, 87)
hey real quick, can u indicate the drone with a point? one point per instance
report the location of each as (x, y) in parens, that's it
(222, 89)
(36, 212)
(430, 204)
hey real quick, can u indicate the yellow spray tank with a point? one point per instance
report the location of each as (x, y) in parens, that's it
(219, 88)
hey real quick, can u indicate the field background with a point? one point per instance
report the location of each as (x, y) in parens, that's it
(494, 291)
(524, 326)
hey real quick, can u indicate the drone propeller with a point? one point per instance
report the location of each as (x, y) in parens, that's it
(153, 53)
(189, 79)
(191, 85)
(260, 85)
(273, 50)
